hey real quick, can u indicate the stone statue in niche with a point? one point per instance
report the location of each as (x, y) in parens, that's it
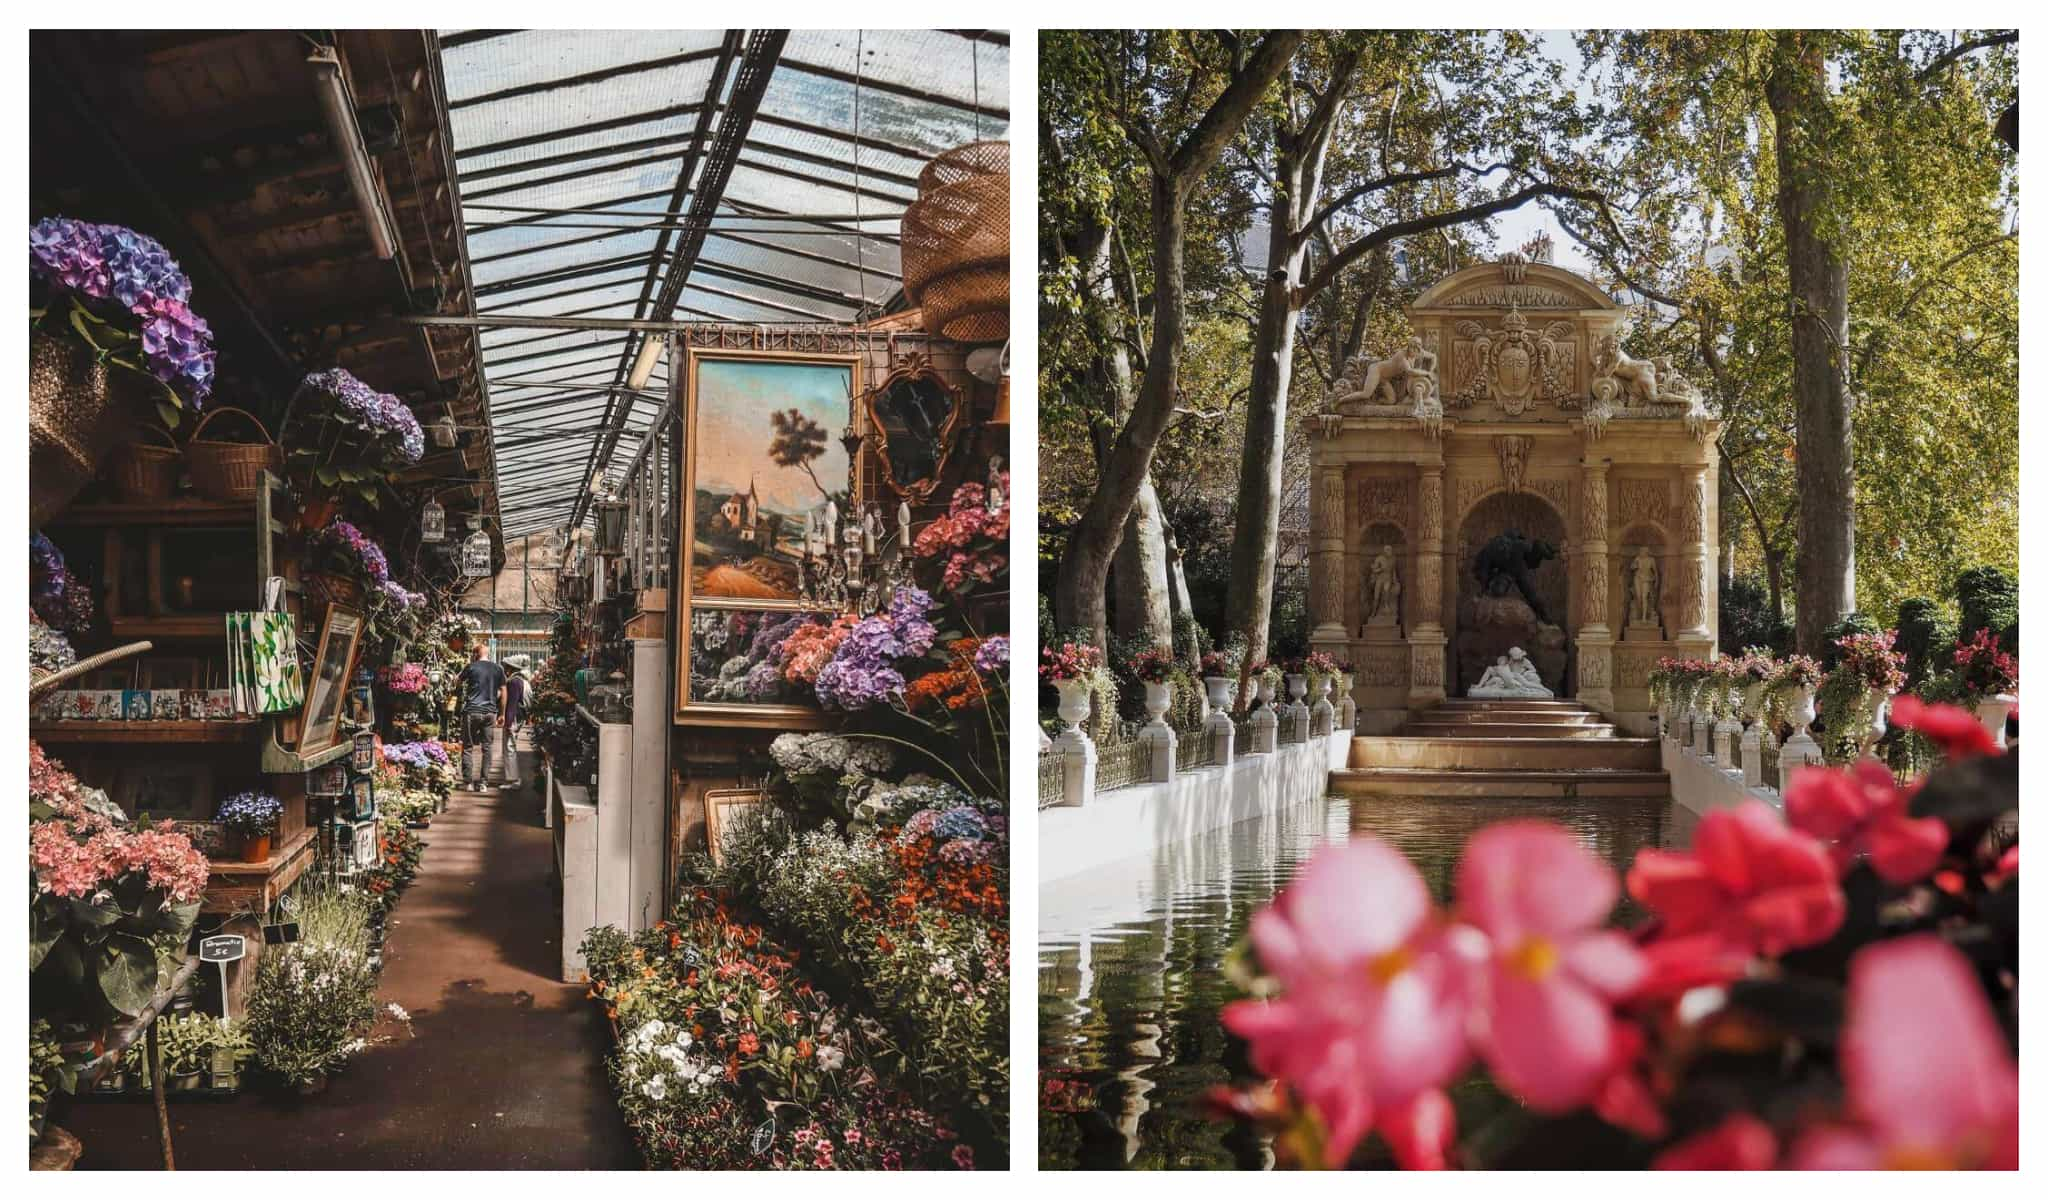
(1408, 375)
(1504, 563)
(1382, 590)
(1642, 589)
(1512, 676)
(1514, 460)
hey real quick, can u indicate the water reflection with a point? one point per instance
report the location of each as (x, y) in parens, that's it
(1130, 977)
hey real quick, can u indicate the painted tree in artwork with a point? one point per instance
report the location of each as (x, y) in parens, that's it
(799, 441)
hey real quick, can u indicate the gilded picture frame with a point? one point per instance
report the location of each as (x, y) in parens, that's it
(327, 685)
(772, 419)
(902, 420)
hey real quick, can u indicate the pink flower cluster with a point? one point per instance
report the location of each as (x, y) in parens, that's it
(1383, 999)
(969, 539)
(78, 853)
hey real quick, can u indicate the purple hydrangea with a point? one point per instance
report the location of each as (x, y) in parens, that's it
(112, 263)
(177, 344)
(965, 853)
(429, 753)
(397, 594)
(67, 253)
(367, 552)
(863, 671)
(385, 415)
(763, 682)
(992, 655)
(921, 823)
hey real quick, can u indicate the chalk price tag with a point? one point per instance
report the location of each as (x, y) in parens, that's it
(224, 948)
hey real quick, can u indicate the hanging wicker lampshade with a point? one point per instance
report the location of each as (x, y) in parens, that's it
(956, 243)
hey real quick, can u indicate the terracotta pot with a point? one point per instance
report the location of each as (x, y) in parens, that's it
(317, 512)
(255, 847)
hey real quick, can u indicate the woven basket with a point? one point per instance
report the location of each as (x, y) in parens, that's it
(142, 473)
(231, 471)
(956, 243)
(323, 588)
(79, 408)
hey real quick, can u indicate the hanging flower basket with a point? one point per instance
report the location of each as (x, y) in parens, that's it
(333, 589)
(79, 408)
(232, 471)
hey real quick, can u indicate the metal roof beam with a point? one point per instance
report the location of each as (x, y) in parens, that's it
(556, 135)
(587, 78)
(872, 84)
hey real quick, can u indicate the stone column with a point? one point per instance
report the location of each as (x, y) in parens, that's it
(1426, 639)
(1596, 639)
(1693, 587)
(1327, 577)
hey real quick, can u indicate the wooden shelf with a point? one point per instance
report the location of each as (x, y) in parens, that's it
(145, 732)
(188, 511)
(241, 887)
(189, 627)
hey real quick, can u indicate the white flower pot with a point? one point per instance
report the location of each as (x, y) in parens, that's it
(1220, 689)
(1158, 699)
(1297, 686)
(1880, 706)
(1993, 710)
(1322, 688)
(1074, 702)
(1262, 690)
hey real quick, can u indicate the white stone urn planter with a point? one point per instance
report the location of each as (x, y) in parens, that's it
(1262, 690)
(1158, 699)
(1322, 714)
(1074, 702)
(1297, 686)
(1221, 691)
(1799, 711)
(1993, 711)
(1753, 704)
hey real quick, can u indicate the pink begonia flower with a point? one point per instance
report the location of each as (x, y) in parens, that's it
(1929, 1076)
(1750, 885)
(1861, 811)
(1739, 1143)
(1548, 1029)
(1955, 729)
(1372, 1014)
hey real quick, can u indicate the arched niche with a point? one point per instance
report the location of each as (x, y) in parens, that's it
(1638, 538)
(1475, 644)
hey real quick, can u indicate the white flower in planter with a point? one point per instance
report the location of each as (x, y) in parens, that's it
(656, 1087)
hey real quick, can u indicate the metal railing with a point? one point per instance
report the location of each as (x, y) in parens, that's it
(1121, 760)
(1052, 779)
(1193, 748)
(1293, 728)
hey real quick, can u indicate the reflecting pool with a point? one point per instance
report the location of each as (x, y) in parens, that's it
(1130, 967)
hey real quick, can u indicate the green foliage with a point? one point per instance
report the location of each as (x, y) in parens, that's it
(311, 1006)
(1925, 637)
(1747, 618)
(47, 1073)
(190, 1041)
(1989, 599)
(1855, 622)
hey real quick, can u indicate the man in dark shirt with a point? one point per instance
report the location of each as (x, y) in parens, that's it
(483, 701)
(515, 715)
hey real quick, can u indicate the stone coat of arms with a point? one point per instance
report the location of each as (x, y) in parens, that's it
(1511, 366)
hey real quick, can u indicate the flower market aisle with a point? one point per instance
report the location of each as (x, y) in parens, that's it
(504, 1065)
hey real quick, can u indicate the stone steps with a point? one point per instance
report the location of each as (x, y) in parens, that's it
(1425, 727)
(1504, 754)
(1424, 781)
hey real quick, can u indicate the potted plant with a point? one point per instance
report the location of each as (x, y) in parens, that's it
(345, 560)
(349, 438)
(1792, 683)
(1074, 671)
(252, 817)
(1219, 676)
(1155, 669)
(230, 1049)
(185, 1043)
(1989, 677)
(110, 331)
(1879, 670)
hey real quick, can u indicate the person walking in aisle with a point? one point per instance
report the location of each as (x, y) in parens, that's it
(515, 715)
(483, 703)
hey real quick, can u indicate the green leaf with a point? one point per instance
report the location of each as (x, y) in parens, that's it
(327, 476)
(127, 973)
(169, 414)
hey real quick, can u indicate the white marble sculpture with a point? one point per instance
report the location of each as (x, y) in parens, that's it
(1511, 677)
(1642, 602)
(1383, 590)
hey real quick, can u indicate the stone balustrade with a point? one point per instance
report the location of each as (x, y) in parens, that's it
(1719, 764)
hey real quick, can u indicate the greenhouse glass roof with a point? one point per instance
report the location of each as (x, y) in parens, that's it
(749, 176)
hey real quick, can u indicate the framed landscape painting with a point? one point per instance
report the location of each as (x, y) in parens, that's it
(762, 461)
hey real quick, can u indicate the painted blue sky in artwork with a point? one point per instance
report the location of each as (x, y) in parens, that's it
(734, 400)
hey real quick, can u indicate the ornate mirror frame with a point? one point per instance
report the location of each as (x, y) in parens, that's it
(916, 367)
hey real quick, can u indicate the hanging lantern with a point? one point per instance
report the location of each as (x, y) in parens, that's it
(433, 521)
(611, 526)
(476, 551)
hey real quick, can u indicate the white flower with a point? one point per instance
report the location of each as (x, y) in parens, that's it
(398, 1012)
(655, 1088)
(831, 1058)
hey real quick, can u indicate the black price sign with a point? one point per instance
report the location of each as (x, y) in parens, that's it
(278, 935)
(224, 948)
